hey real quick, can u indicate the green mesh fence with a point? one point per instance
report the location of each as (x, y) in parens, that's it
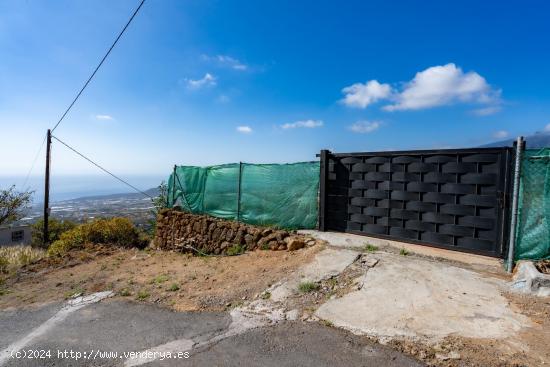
(533, 228)
(283, 195)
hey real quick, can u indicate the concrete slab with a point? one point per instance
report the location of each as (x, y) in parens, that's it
(407, 296)
(347, 240)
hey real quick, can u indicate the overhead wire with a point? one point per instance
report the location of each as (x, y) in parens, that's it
(34, 162)
(101, 168)
(98, 66)
(78, 96)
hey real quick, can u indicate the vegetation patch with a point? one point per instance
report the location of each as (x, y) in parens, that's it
(306, 287)
(142, 295)
(14, 257)
(160, 279)
(370, 248)
(174, 287)
(125, 292)
(236, 249)
(403, 252)
(115, 231)
(55, 229)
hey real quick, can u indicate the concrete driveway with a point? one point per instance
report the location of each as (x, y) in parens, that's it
(102, 332)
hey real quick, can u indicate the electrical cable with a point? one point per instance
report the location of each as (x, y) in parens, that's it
(101, 168)
(34, 162)
(98, 66)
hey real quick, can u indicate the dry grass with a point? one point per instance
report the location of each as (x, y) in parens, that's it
(14, 257)
(180, 281)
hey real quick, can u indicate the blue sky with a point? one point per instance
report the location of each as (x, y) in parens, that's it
(206, 82)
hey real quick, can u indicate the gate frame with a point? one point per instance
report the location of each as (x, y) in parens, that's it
(503, 197)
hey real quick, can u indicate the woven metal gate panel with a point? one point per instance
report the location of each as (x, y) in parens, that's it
(454, 199)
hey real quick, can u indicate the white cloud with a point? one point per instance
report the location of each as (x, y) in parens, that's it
(435, 86)
(208, 80)
(244, 129)
(361, 95)
(304, 123)
(104, 117)
(365, 127)
(444, 85)
(227, 61)
(546, 129)
(501, 134)
(486, 111)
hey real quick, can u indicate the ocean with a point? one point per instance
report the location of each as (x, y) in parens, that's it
(72, 187)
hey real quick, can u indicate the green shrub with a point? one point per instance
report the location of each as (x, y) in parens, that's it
(114, 231)
(236, 249)
(174, 287)
(370, 248)
(142, 295)
(160, 279)
(55, 229)
(306, 287)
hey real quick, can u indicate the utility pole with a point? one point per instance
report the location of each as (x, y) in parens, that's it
(45, 235)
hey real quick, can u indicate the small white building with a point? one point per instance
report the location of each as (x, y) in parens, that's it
(16, 235)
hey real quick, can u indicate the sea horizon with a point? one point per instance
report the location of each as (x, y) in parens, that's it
(68, 187)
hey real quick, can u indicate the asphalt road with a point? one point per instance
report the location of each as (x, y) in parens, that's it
(50, 333)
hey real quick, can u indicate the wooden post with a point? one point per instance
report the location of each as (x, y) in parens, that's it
(45, 232)
(323, 177)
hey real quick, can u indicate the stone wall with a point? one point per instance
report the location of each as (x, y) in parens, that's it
(176, 230)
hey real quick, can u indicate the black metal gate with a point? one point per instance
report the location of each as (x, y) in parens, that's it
(455, 199)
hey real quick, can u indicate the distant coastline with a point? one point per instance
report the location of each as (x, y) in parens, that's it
(82, 186)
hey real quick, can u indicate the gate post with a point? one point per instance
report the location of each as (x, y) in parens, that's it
(323, 180)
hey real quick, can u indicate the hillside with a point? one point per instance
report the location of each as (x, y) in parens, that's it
(535, 141)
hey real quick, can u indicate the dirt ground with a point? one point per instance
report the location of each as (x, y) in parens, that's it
(189, 283)
(528, 348)
(180, 281)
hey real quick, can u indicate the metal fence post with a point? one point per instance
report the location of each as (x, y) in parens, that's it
(323, 178)
(173, 186)
(515, 195)
(239, 192)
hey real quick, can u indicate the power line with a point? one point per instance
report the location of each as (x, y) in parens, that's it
(103, 169)
(98, 66)
(34, 162)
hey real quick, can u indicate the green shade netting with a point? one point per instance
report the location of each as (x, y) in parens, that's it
(533, 227)
(283, 195)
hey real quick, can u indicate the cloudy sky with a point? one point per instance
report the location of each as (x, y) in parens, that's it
(206, 82)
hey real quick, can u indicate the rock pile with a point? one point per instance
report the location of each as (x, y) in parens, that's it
(177, 230)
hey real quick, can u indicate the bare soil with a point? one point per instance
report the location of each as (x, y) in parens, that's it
(543, 266)
(180, 281)
(189, 283)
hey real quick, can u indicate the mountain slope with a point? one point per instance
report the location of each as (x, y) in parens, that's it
(535, 141)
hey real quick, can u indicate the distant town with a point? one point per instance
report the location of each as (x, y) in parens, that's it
(134, 206)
